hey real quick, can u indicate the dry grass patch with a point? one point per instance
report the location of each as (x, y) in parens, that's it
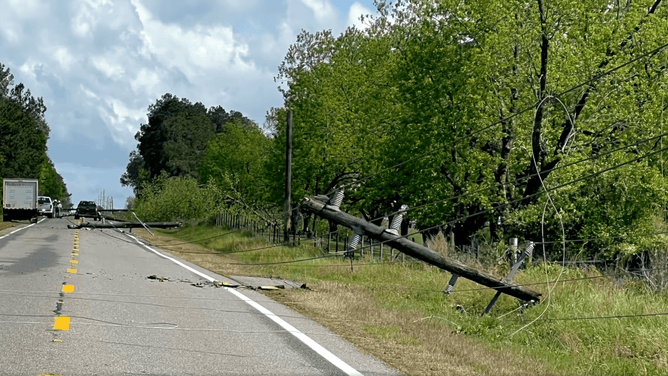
(6, 225)
(412, 344)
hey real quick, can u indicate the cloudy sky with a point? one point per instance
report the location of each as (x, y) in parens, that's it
(99, 64)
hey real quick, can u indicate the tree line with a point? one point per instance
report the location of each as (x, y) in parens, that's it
(493, 119)
(24, 133)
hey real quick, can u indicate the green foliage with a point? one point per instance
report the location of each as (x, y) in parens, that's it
(452, 102)
(235, 161)
(177, 199)
(23, 136)
(52, 184)
(188, 134)
(22, 143)
(175, 138)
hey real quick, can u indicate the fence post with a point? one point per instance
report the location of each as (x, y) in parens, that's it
(361, 245)
(381, 252)
(329, 239)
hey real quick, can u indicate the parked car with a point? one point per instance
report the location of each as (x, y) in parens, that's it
(87, 209)
(45, 206)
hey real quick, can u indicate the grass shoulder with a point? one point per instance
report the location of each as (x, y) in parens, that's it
(397, 311)
(6, 225)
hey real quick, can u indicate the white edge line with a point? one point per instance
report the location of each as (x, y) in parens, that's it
(343, 366)
(22, 228)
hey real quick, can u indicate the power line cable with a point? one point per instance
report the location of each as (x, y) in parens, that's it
(287, 262)
(608, 317)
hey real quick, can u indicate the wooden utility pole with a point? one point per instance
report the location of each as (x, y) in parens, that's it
(288, 180)
(362, 227)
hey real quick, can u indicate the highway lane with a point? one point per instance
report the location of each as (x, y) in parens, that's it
(80, 303)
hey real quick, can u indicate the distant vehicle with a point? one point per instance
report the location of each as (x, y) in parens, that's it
(87, 209)
(19, 198)
(45, 206)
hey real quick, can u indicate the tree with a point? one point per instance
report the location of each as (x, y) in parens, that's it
(23, 136)
(469, 95)
(6, 81)
(235, 160)
(188, 135)
(35, 107)
(51, 183)
(220, 117)
(22, 143)
(134, 172)
(175, 136)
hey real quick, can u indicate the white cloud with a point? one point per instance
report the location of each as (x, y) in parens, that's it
(123, 122)
(90, 14)
(25, 8)
(110, 69)
(357, 10)
(28, 68)
(81, 23)
(190, 51)
(88, 93)
(145, 82)
(63, 57)
(10, 33)
(322, 10)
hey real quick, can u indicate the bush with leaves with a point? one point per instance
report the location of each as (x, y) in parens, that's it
(177, 199)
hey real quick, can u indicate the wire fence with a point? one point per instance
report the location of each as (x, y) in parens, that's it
(650, 266)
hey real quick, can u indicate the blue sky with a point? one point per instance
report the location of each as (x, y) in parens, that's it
(99, 64)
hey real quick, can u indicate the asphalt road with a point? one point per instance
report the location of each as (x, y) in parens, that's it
(80, 303)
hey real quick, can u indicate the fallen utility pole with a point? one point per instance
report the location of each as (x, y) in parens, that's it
(362, 227)
(126, 225)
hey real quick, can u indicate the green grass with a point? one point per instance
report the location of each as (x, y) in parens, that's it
(547, 331)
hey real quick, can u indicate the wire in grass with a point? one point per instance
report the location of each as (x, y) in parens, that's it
(285, 262)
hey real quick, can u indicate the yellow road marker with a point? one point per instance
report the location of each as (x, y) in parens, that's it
(61, 323)
(73, 271)
(74, 261)
(75, 254)
(58, 340)
(68, 289)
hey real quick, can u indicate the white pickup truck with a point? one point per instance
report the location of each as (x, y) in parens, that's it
(46, 206)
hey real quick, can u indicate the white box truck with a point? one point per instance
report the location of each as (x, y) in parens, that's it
(19, 198)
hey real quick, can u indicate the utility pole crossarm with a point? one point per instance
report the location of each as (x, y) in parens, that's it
(417, 251)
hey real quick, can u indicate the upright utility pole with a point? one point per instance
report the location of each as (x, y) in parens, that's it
(288, 179)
